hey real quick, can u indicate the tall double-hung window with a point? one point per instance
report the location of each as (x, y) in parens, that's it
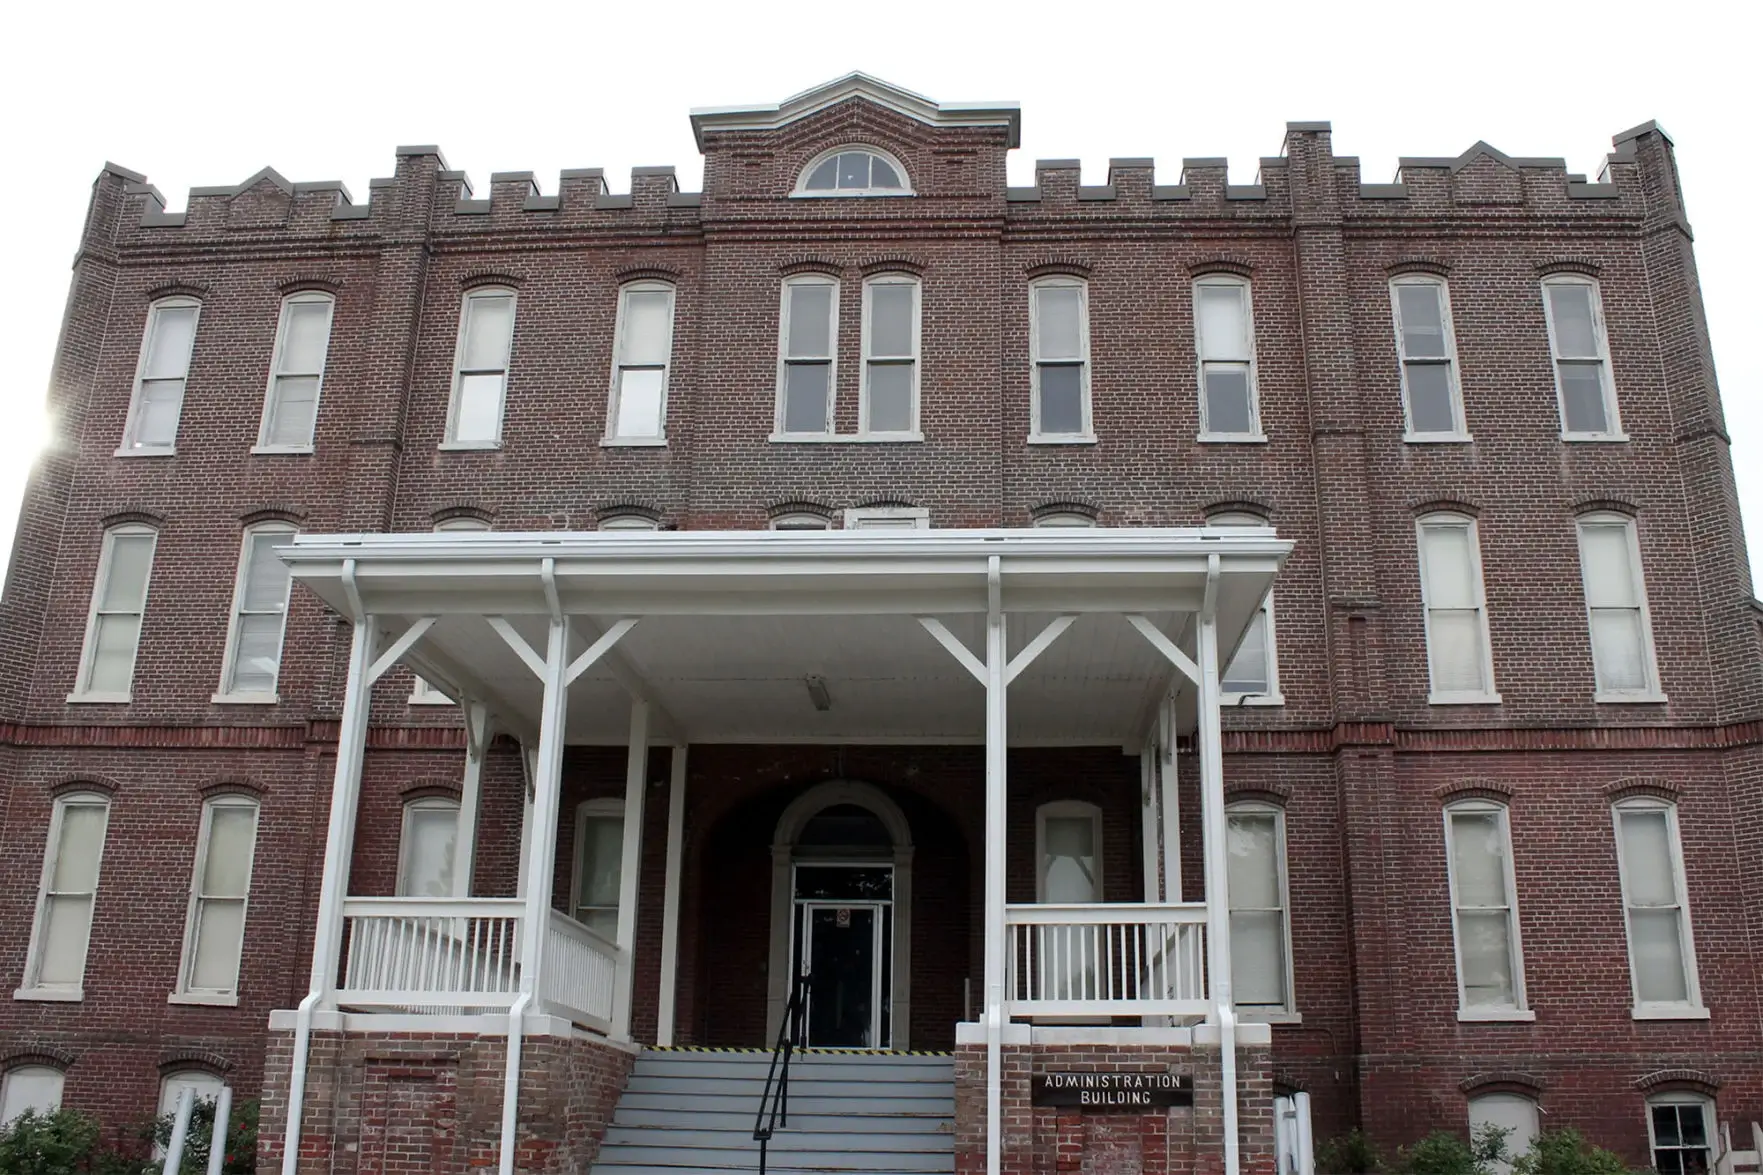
(890, 356)
(1581, 349)
(220, 887)
(1260, 930)
(1224, 332)
(1661, 949)
(1432, 398)
(641, 365)
(1621, 627)
(296, 371)
(260, 611)
(119, 602)
(1458, 652)
(160, 374)
(807, 356)
(1484, 912)
(1059, 345)
(56, 965)
(480, 368)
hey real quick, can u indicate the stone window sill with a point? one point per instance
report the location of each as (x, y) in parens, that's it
(203, 999)
(51, 995)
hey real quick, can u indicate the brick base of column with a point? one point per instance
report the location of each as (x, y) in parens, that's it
(1050, 1140)
(388, 1103)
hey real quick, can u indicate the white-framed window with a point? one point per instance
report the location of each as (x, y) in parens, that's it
(1068, 852)
(113, 626)
(1459, 653)
(887, 518)
(807, 356)
(1426, 348)
(260, 613)
(29, 1087)
(1680, 1133)
(888, 396)
(801, 520)
(426, 848)
(1059, 349)
(205, 1087)
(854, 171)
(641, 363)
(296, 373)
(1583, 384)
(56, 966)
(1224, 333)
(1252, 677)
(1260, 928)
(220, 891)
(1484, 912)
(1661, 947)
(421, 692)
(480, 368)
(1623, 665)
(629, 522)
(160, 373)
(1064, 518)
(1512, 1113)
(598, 874)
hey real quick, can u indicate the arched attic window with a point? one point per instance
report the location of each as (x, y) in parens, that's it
(854, 171)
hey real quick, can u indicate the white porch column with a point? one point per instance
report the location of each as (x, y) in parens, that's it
(1167, 784)
(477, 737)
(541, 855)
(339, 851)
(1150, 834)
(1211, 746)
(996, 665)
(635, 782)
(676, 830)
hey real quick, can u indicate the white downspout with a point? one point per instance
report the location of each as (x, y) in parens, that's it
(511, 1082)
(1211, 740)
(994, 884)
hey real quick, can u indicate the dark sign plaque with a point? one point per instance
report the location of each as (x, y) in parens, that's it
(1116, 1092)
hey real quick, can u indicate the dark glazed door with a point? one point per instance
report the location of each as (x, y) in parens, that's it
(844, 957)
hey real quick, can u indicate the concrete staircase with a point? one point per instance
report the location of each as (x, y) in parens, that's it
(849, 1112)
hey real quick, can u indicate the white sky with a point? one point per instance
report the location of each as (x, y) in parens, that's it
(201, 93)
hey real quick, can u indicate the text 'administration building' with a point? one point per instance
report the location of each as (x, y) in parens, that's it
(1292, 642)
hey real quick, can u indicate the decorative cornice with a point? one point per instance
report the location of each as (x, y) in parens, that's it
(871, 89)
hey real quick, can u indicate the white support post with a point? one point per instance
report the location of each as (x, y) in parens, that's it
(676, 835)
(339, 845)
(1150, 853)
(1211, 745)
(635, 781)
(997, 663)
(477, 738)
(1169, 794)
(541, 854)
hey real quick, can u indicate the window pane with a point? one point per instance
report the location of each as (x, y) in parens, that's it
(853, 170)
(258, 653)
(1429, 398)
(227, 872)
(1252, 861)
(125, 586)
(1227, 400)
(63, 959)
(1257, 957)
(824, 177)
(303, 344)
(1692, 1125)
(1224, 330)
(1571, 307)
(1665, 1128)
(168, 350)
(1619, 649)
(1478, 852)
(1247, 673)
(480, 408)
(1059, 311)
(1070, 860)
(30, 1087)
(489, 328)
(602, 860)
(1609, 573)
(805, 393)
(890, 319)
(1485, 941)
(1450, 567)
(1582, 396)
(1062, 399)
(1658, 956)
(639, 402)
(647, 324)
(266, 576)
(602, 922)
(1455, 651)
(811, 307)
(1646, 859)
(294, 411)
(220, 932)
(882, 174)
(82, 843)
(890, 397)
(428, 855)
(113, 653)
(156, 416)
(1423, 321)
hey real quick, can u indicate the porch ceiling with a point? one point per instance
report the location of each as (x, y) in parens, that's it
(731, 624)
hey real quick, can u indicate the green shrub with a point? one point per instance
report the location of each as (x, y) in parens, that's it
(1564, 1152)
(60, 1142)
(1350, 1154)
(241, 1139)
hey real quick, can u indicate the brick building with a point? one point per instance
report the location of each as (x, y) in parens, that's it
(381, 536)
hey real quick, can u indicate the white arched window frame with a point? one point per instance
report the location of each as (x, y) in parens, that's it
(888, 391)
(597, 876)
(1260, 909)
(1059, 354)
(629, 522)
(807, 358)
(801, 520)
(67, 895)
(220, 894)
(252, 665)
(161, 372)
(1585, 390)
(428, 848)
(1067, 518)
(481, 360)
(1513, 1113)
(1680, 1132)
(1625, 667)
(296, 373)
(851, 170)
(29, 1087)
(642, 364)
(1459, 649)
(1484, 912)
(421, 692)
(1426, 353)
(1656, 912)
(115, 618)
(1252, 676)
(1224, 337)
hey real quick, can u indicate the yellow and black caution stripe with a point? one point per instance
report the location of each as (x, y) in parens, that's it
(707, 1048)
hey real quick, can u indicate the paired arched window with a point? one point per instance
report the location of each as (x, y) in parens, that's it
(854, 171)
(296, 371)
(1484, 912)
(119, 604)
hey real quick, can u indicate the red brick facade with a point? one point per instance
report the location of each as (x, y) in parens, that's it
(1358, 758)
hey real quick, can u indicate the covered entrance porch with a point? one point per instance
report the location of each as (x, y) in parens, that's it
(982, 646)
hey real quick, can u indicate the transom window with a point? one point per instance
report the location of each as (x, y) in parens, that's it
(1582, 359)
(854, 171)
(1224, 329)
(159, 378)
(640, 367)
(1484, 911)
(290, 407)
(1059, 339)
(1427, 349)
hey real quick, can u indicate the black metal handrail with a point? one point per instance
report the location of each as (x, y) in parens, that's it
(774, 1102)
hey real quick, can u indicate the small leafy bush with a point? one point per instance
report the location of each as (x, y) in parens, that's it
(60, 1142)
(1350, 1154)
(1564, 1152)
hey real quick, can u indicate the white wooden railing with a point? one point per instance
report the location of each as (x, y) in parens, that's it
(1106, 959)
(581, 973)
(431, 954)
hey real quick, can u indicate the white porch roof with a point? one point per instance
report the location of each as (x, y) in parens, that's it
(731, 624)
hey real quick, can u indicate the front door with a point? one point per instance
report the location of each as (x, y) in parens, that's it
(842, 947)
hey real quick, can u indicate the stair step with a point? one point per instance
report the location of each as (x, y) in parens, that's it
(777, 1160)
(849, 1068)
(786, 1141)
(770, 1166)
(679, 1117)
(801, 1085)
(861, 1106)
